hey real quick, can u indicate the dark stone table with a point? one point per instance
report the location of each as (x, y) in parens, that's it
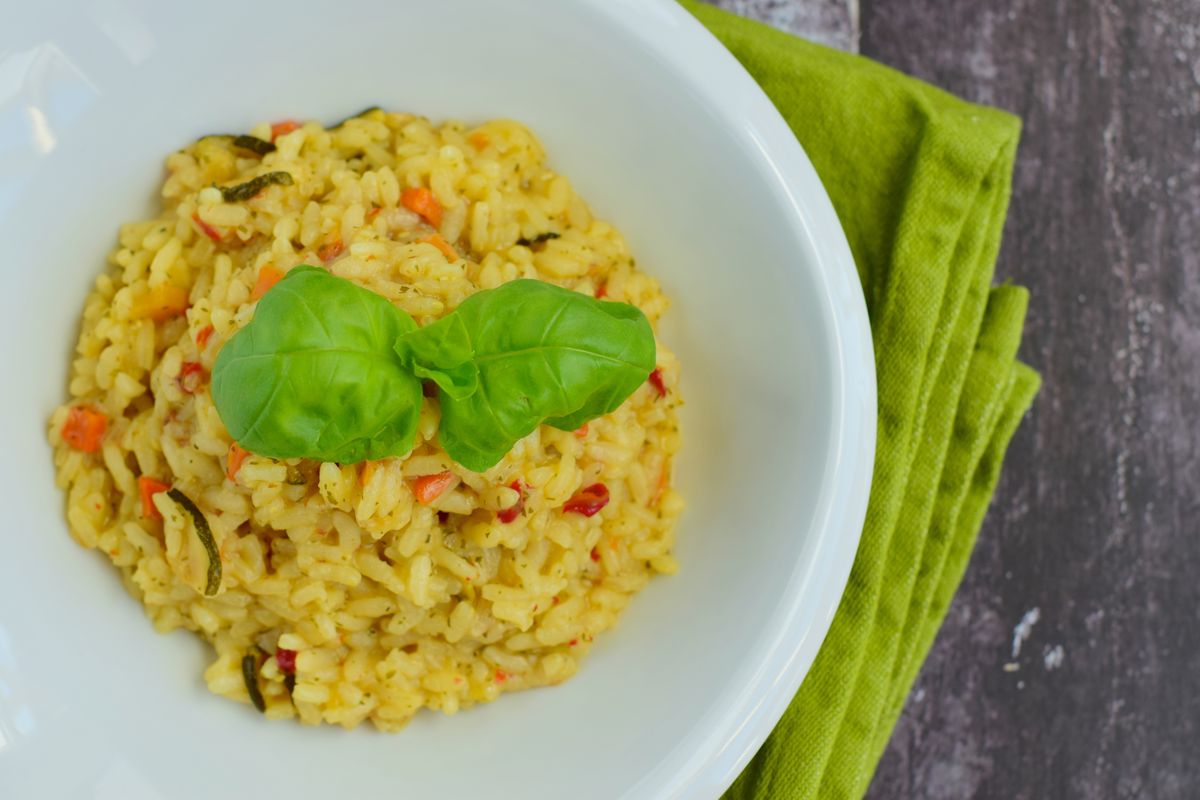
(1095, 529)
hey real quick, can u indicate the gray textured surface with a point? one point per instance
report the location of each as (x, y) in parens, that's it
(1097, 520)
(831, 22)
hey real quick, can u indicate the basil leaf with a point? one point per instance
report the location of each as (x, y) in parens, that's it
(442, 353)
(533, 353)
(314, 375)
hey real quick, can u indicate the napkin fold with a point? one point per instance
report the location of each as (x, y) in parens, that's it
(921, 182)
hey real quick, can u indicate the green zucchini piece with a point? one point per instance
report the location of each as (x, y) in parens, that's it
(250, 677)
(260, 147)
(213, 582)
(362, 113)
(244, 191)
(541, 237)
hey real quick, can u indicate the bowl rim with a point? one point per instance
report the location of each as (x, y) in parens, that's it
(711, 71)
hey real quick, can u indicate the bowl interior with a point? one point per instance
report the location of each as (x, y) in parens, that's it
(92, 109)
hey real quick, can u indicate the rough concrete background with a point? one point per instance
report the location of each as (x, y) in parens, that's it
(1096, 523)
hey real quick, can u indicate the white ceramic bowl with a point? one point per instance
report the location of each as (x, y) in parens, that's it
(665, 135)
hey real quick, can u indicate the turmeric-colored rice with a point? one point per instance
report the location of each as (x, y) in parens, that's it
(389, 604)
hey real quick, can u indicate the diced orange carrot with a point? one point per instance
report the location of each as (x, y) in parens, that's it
(284, 127)
(479, 140)
(84, 428)
(233, 461)
(331, 250)
(148, 487)
(205, 228)
(202, 337)
(421, 201)
(162, 302)
(428, 488)
(441, 244)
(664, 479)
(268, 276)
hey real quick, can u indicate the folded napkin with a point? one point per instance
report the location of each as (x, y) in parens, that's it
(920, 181)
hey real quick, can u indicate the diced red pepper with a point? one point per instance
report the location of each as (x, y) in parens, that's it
(509, 514)
(601, 291)
(284, 127)
(582, 430)
(588, 501)
(428, 488)
(202, 336)
(501, 676)
(286, 659)
(331, 250)
(84, 428)
(595, 555)
(205, 228)
(147, 488)
(191, 377)
(656, 380)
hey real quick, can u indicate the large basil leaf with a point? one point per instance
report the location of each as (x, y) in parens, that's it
(314, 375)
(522, 354)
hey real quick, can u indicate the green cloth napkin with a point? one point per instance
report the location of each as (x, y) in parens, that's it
(920, 181)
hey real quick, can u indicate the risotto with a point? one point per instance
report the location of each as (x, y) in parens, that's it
(343, 592)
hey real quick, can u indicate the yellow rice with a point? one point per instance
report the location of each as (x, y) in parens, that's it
(390, 605)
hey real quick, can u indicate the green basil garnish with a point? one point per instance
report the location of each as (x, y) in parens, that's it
(314, 374)
(330, 371)
(525, 353)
